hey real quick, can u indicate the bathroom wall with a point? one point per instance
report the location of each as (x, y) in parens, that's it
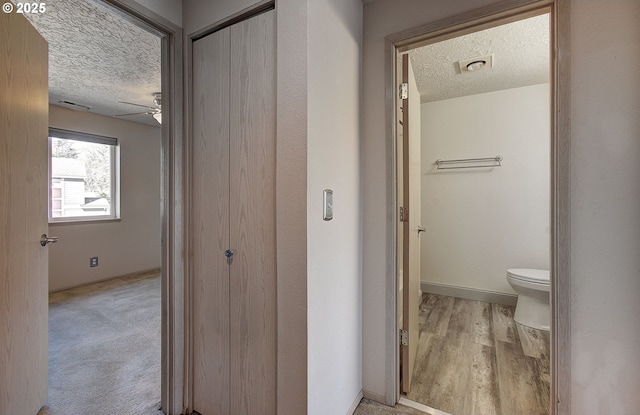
(122, 247)
(480, 222)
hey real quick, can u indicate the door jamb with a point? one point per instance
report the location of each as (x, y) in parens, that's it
(172, 201)
(560, 178)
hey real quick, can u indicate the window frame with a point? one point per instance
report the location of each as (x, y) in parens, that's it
(114, 144)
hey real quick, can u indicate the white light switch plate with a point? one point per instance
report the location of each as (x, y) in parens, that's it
(327, 204)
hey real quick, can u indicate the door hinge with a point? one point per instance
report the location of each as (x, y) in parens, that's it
(404, 338)
(404, 214)
(404, 90)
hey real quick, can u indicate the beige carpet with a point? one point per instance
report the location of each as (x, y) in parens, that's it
(104, 348)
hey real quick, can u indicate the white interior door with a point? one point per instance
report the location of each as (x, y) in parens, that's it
(24, 118)
(411, 222)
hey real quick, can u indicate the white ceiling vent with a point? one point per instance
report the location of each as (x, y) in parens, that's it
(474, 64)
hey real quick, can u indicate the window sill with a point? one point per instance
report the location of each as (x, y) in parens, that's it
(92, 221)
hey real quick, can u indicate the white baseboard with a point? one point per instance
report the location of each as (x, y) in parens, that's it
(355, 404)
(132, 275)
(374, 397)
(469, 293)
(420, 407)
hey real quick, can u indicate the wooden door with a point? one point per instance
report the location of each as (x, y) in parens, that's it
(210, 219)
(253, 272)
(24, 118)
(410, 183)
(233, 209)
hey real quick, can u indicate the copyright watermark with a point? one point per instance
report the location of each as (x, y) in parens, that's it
(25, 7)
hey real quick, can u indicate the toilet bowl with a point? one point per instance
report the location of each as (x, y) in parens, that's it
(532, 287)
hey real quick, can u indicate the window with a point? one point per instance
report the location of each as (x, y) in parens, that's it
(83, 176)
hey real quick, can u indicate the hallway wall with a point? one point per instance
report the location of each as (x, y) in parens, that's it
(333, 160)
(318, 147)
(605, 206)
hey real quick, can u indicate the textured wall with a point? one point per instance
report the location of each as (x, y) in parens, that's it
(130, 245)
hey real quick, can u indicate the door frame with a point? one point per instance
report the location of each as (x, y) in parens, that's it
(171, 194)
(458, 25)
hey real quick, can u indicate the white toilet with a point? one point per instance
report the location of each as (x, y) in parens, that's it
(532, 287)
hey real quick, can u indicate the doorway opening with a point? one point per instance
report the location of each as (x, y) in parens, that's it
(161, 276)
(460, 225)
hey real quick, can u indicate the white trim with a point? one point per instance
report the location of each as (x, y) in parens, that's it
(355, 404)
(420, 407)
(81, 136)
(373, 396)
(172, 199)
(476, 294)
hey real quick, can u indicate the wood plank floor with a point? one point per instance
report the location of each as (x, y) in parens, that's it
(473, 358)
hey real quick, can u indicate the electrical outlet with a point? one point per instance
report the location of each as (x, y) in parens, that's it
(93, 261)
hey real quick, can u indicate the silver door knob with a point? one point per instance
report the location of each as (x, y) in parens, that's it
(44, 239)
(229, 254)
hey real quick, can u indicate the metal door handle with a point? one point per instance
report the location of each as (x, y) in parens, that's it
(229, 254)
(421, 229)
(44, 239)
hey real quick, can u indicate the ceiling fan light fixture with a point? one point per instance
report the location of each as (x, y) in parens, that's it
(158, 117)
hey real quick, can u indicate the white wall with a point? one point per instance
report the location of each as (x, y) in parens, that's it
(169, 9)
(605, 194)
(333, 162)
(480, 222)
(130, 245)
(199, 14)
(383, 18)
(605, 206)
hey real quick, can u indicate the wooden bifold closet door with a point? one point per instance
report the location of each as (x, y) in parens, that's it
(233, 209)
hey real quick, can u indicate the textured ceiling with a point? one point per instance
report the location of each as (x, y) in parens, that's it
(97, 58)
(520, 58)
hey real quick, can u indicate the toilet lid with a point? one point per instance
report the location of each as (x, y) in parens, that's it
(539, 276)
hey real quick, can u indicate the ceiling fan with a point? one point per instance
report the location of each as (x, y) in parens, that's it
(155, 112)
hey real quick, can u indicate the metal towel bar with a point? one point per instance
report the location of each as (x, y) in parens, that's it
(464, 163)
